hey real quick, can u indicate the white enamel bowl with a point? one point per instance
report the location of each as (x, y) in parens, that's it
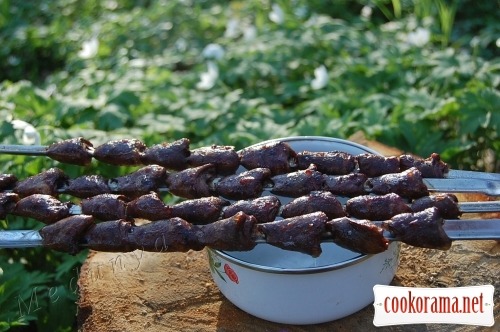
(294, 288)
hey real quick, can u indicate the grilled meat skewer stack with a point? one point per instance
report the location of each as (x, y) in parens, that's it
(312, 178)
(48, 209)
(241, 232)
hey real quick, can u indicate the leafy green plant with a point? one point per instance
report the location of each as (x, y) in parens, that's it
(436, 94)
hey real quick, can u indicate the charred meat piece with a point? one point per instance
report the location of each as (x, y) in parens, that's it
(225, 158)
(332, 162)
(149, 207)
(374, 207)
(88, 186)
(120, 152)
(357, 235)
(169, 155)
(47, 183)
(432, 167)
(192, 182)
(297, 183)
(264, 209)
(200, 211)
(44, 208)
(447, 204)
(7, 181)
(105, 206)
(140, 182)
(111, 236)
(373, 165)
(174, 234)
(76, 151)
(65, 234)
(275, 156)
(235, 233)
(349, 185)
(316, 201)
(248, 184)
(7, 203)
(421, 229)
(407, 184)
(303, 233)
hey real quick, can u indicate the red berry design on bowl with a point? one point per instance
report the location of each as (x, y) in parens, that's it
(231, 274)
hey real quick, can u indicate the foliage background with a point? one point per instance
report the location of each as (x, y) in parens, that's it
(436, 95)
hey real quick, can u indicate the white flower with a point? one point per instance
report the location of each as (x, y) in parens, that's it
(277, 15)
(498, 42)
(30, 135)
(213, 51)
(301, 12)
(427, 21)
(232, 28)
(181, 44)
(320, 79)
(89, 49)
(390, 26)
(419, 37)
(208, 78)
(474, 42)
(366, 12)
(249, 32)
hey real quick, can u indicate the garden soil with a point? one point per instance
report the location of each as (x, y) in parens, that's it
(142, 291)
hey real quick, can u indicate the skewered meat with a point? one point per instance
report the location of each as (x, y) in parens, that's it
(88, 186)
(276, 156)
(169, 235)
(248, 184)
(376, 207)
(76, 151)
(105, 206)
(432, 167)
(111, 236)
(200, 211)
(140, 182)
(420, 229)
(332, 162)
(149, 207)
(357, 235)
(233, 233)
(47, 183)
(192, 182)
(408, 184)
(298, 183)
(169, 155)
(264, 209)
(303, 233)
(65, 235)
(373, 165)
(447, 204)
(7, 181)
(44, 208)
(349, 185)
(316, 201)
(7, 203)
(225, 158)
(120, 152)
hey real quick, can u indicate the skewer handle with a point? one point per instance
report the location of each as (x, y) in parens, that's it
(20, 239)
(464, 185)
(30, 150)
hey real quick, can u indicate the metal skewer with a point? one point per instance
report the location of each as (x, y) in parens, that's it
(465, 207)
(456, 229)
(28, 150)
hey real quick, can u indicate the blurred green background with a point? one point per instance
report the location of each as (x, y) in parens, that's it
(422, 76)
